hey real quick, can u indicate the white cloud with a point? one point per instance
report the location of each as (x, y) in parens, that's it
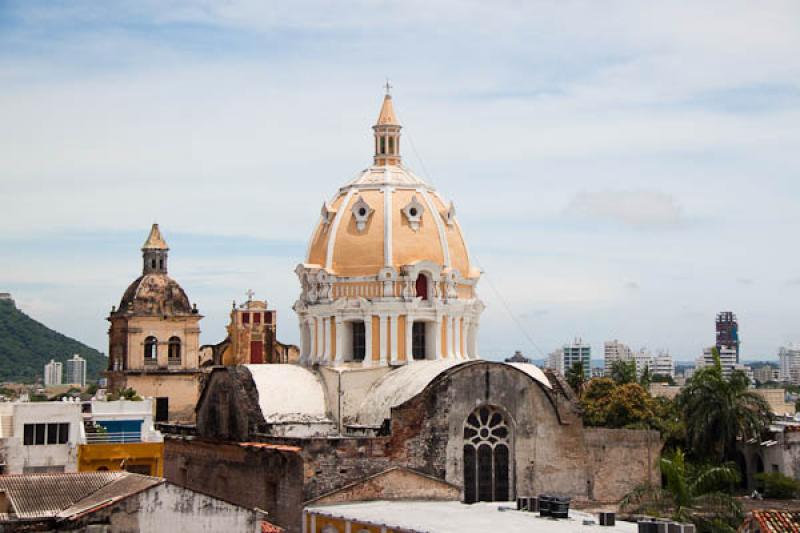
(640, 209)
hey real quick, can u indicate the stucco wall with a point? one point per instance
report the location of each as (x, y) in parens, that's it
(619, 460)
(18, 456)
(181, 389)
(251, 476)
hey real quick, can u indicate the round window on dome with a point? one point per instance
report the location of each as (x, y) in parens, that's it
(362, 212)
(412, 211)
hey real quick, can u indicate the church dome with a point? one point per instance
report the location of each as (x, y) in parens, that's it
(387, 217)
(155, 295)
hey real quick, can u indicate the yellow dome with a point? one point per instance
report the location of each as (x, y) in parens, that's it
(387, 217)
(362, 230)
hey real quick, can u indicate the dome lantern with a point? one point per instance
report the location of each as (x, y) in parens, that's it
(154, 253)
(387, 133)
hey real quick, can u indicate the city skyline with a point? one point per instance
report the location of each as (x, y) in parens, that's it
(604, 195)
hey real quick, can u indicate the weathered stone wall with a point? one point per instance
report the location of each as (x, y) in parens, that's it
(250, 475)
(619, 460)
(229, 409)
(551, 450)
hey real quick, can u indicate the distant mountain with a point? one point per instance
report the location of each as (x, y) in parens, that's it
(27, 345)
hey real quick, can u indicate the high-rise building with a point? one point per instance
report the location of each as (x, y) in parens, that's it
(789, 364)
(76, 370)
(576, 352)
(555, 361)
(662, 365)
(52, 373)
(728, 333)
(615, 351)
(766, 373)
(727, 359)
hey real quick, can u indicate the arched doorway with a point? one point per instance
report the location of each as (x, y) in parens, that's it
(741, 463)
(422, 286)
(759, 468)
(487, 453)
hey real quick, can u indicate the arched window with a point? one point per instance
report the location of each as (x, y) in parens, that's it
(383, 145)
(174, 354)
(359, 341)
(422, 286)
(391, 145)
(487, 443)
(150, 351)
(418, 340)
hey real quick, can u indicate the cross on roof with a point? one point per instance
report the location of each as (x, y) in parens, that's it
(388, 87)
(249, 294)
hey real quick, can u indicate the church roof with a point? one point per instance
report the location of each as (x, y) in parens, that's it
(402, 384)
(289, 393)
(387, 116)
(155, 295)
(155, 241)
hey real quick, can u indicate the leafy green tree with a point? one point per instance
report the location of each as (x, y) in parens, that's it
(608, 405)
(646, 378)
(778, 486)
(623, 372)
(718, 410)
(663, 378)
(691, 493)
(576, 377)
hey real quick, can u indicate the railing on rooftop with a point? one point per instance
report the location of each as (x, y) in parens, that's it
(123, 437)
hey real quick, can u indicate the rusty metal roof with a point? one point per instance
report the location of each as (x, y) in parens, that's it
(64, 495)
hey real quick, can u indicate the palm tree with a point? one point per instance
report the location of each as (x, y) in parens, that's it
(717, 411)
(690, 494)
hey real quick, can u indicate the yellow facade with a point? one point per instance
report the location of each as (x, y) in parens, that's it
(315, 523)
(140, 457)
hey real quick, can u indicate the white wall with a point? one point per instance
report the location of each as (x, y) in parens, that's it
(18, 456)
(184, 511)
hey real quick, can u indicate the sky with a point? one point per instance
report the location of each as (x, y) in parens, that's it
(621, 170)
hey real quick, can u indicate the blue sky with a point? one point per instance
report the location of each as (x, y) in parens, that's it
(621, 170)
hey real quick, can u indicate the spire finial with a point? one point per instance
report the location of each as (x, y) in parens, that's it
(388, 87)
(250, 293)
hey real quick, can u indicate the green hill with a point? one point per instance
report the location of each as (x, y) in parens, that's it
(27, 345)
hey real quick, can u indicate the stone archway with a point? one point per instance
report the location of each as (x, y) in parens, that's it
(487, 456)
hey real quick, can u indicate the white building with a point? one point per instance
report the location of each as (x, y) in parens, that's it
(52, 373)
(555, 361)
(789, 364)
(614, 351)
(577, 352)
(38, 437)
(727, 359)
(662, 365)
(76, 371)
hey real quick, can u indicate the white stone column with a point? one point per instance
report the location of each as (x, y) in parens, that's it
(409, 339)
(325, 341)
(339, 339)
(312, 339)
(448, 334)
(367, 341)
(437, 338)
(458, 332)
(384, 331)
(394, 331)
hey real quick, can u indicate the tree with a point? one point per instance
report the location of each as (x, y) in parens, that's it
(663, 378)
(575, 377)
(690, 493)
(718, 410)
(646, 378)
(608, 405)
(623, 372)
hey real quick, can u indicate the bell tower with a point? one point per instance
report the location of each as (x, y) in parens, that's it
(387, 133)
(154, 253)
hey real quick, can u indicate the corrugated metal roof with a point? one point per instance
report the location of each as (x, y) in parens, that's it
(50, 495)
